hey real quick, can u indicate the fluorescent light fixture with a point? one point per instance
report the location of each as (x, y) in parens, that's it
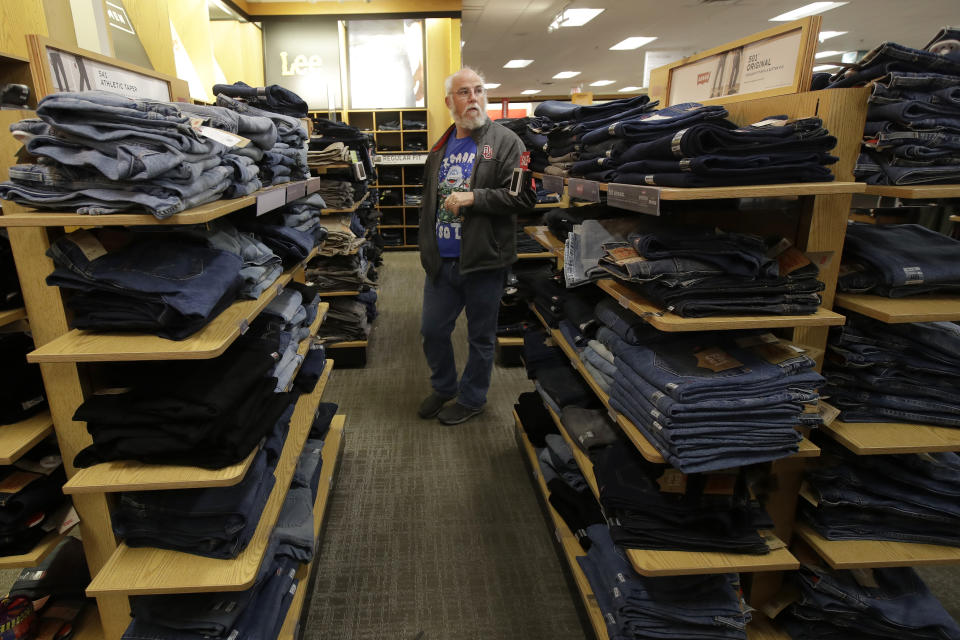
(826, 35)
(529, 92)
(826, 67)
(602, 83)
(827, 54)
(633, 42)
(573, 18)
(566, 74)
(517, 64)
(491, 85)
(811, 9)
(628, 89)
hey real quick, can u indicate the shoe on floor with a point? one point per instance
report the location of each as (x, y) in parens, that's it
(432, 404)
(457, 413)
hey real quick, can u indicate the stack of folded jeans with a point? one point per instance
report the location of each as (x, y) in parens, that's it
(286, 160)
(600, 362)
(709, 401)
(341, 238)
(912, 129)
(30, 501)
(304, 215)
(900, 498)
(273, 98)
(868, 604)
(898, 260)
(338, 194)
(165, 287)
(878, 372)
(546, 290)
(560, 221)
(540, 354)
(339, 273)
(103, 153)
(208, 413)
(567, 127)
(326, 132)
(368, 299)
(346, 321)
(292, 312)
(696, 273)
(590, 429)
(711, 152)
(22, 394)
(634, 606)
(261, 266)
(645, 510)
(292, 245)
(535, 143)
(584, 247)
(333, 153)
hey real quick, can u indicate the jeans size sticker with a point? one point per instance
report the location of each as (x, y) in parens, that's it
(88, 244)
(914, 275)
(717, 360)
(672, 481)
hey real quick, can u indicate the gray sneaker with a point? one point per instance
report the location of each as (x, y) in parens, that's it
(432, 404)
(457, 413)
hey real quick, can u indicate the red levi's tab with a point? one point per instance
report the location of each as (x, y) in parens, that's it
(524, 159)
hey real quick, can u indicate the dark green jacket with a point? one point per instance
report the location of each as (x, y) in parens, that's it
(488, 234)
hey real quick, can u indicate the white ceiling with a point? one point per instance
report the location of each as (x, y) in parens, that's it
(497, 30)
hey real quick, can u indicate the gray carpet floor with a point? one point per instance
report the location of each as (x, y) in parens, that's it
(431, 529)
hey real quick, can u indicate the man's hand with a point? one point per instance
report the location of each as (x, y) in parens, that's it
(458, 199)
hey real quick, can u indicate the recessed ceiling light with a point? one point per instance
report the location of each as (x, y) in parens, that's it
(626, 89)
(826, 67)
(601, 83)
(491, 85)
(826, 35)
(517, 64)
(811, 9)
(566, 74)
(573, 18)
(633, 42)
(827, 54)
(529, 92)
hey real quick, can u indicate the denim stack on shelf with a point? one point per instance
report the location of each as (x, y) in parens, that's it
(32, 503)
(912, 134)
(342, 237)
(207, 413)
(711, 401)
(898, 260)
(337, 194)
(546, 290)
(347, 321)
(900, 498)
(22, 394)
(286, 159)
(646, 509)
(584, 247)
(102, 153)
(333, 153)
(907, 373)
(272, 98)
(702, 272)
(327, 132)
(304, 215)
(561, 221)
(867, 604)
(535, 143)
(291, 313)
(568, 128)
(261, 266)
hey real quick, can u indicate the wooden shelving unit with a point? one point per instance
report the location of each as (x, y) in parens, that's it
(356, 205)
(211, 341)
(917, 192)
(143, 571)
(923, 308)
(667, 321)
(12, 315)
(18, 438)
(881, 438)
(862, 554)
(338, 294)
(33, 557)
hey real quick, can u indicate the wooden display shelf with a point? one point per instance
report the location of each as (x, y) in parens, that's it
(546, 239)
(211, 341)
(670, 322)
(509, 341)
(322, 167)
(305, 343)
(353, 344)
(571, 548)
(536, 256)
(196, 215)
(130, 475)
(860, 554)
(881, 438)
(916, 192)
(33, 557)
(922, 308)
(143, 570)
(332, 447)
(583, 461)
(356, 205)
(12, 315)
(18, 438)
(653, 563)
(749, 191)
(954, 218)
(88, 626)
(338, 294)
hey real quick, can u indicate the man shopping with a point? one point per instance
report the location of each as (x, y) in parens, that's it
(467, 244)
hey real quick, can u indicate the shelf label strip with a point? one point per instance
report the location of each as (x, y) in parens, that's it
(588, 190)
(271, 200)
(553, 184)
(313, 185)
(634, 197)
(296, 191)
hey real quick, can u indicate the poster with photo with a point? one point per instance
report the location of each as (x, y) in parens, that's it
(70, 72)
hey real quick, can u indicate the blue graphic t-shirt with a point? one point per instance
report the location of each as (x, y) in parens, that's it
(455, 170)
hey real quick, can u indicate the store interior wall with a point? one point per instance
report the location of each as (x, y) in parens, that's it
(18, 19)
(148, 18)
(442, 56)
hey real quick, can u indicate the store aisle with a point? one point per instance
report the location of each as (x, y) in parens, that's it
(431, 528)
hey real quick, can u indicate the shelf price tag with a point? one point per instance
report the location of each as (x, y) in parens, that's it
(270, 200)
(588, 190)
(553, 184)
(296, 191)
(634, 197)
(359, 173)
(313, 185)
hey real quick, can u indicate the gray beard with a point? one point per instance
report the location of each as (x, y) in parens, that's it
(469, 122)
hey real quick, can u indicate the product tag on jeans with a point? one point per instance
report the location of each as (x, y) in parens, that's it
(865, 578)
(70, 520)
(791, 260)
(753, 341)
(88, 244)
(673, 481)
(828, 413)
(772, 540)
(914, 275)
(787, 596)
(225, 138)
(716, 359)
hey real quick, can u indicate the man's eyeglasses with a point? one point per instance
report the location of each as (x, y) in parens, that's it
(464, 92)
